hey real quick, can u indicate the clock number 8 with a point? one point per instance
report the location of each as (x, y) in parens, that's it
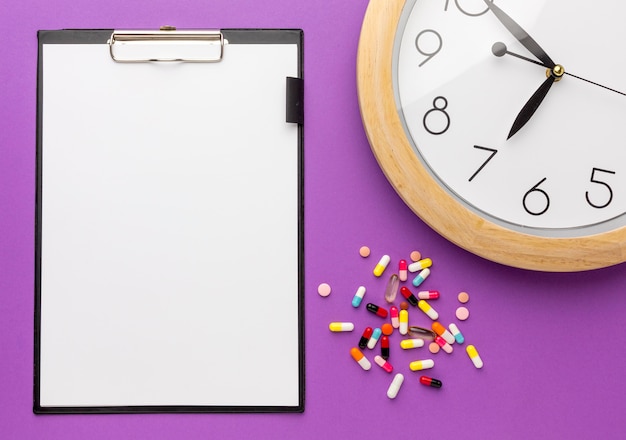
(533, 193)
(439, 106)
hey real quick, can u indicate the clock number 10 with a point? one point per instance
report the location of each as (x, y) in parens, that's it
(471, 14)
(536, 201)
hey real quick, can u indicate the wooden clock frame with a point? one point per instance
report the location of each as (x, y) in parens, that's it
(427, 198)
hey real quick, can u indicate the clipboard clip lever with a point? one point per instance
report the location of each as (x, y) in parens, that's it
(166, 45)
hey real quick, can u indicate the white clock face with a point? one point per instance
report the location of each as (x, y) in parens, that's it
(564, 172)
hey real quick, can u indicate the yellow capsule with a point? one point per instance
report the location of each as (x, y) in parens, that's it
(404, 322)
(382, 265)
(341, 326)
(474, 356)
(426, 308)
(421, 365)
(407, 344)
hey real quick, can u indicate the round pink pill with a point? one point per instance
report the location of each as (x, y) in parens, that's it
(416, 256)
(434, 347)
(364, 251)
(463, 297)
(323, 289)
(462, 313)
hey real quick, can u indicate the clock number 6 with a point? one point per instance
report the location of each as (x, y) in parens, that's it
(600, 182)
(533, 193)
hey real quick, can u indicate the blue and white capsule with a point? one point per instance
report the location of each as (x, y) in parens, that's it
(458, 336)
(374, 338)
(419, 279)
(358, 296)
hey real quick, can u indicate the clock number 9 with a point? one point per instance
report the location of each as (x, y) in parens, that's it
(456, 2)
(428, 51)
(600, 182)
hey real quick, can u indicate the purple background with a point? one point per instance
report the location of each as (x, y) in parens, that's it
(552, 343)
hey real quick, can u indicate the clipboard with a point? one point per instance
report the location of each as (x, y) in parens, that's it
(169, 221)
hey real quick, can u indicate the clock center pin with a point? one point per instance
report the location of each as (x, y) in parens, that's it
(557, 72)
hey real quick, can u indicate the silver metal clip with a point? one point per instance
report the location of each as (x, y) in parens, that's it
(167, 44)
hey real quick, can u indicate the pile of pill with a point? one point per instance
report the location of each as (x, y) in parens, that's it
(395, 319)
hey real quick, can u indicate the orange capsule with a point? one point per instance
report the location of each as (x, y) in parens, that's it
(443, 332)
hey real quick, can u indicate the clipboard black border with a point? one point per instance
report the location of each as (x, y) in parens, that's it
(101, 36)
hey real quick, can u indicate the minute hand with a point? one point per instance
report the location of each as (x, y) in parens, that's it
(521, 35)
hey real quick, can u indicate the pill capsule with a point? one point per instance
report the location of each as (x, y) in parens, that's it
(419, 279)
(382, 363)
(474, 356)
(428, 294)
(341, 326)
(443, 344)
(402, 270)
(408, 295)
(384, 347)
(358, 296)
(422, 365)
(430, 382)
(458, 336)
(394, 388)
(392, 288)
(404, 322)
(408, 344)
(420, 265)
(365, 338)
(394, 314)
(374, 339)
(443, 332)
(426, 308)
(382, 265)
(421, 332)
(379, 311)
(360, 358)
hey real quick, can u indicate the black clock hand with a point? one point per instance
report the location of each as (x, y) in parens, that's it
(531, 105)
(521, 35)
(499, 49)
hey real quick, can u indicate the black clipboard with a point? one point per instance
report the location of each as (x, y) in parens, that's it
(169, 221)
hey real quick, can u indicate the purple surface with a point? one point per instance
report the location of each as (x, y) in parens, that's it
(552, 343)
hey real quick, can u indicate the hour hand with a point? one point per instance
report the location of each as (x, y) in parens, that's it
(521, 35)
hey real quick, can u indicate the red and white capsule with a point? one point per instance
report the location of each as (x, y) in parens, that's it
(443, 344)
(428, 294)
(382, 363)
(393, 312)
(403, 270)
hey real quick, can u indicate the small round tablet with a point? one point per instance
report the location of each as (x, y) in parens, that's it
(387, 329)
(416, 256)
(434, 347)
(462, 313)
(323, 289)
(364, 251)
(463, 297)
(404, 305)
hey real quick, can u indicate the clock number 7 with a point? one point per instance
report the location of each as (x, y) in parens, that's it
(493, 153)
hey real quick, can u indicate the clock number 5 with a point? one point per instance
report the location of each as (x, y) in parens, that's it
(594, 179)
(537, 198)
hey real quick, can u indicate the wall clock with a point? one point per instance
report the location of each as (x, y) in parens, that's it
(500, 123)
